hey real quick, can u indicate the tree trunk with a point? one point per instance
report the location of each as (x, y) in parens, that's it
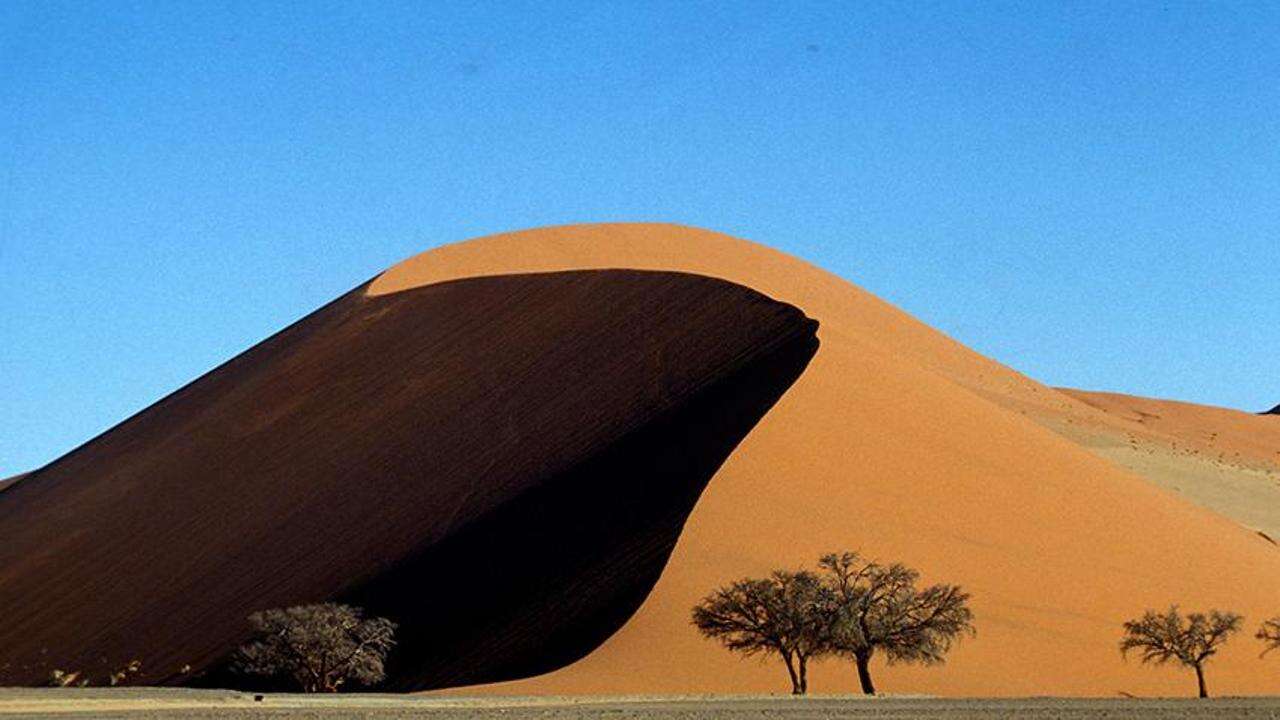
(1204, 693)
(791, 670)
(804, 674)
(864, 673)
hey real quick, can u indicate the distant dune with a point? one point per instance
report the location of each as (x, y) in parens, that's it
(469, 421)
(1225, 460)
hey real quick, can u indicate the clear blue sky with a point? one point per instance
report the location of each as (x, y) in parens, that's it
(1087, 192)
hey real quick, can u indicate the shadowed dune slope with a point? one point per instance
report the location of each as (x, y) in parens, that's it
(903, 443)
(501, 465)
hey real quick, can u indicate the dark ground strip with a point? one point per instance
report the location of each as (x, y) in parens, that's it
(236, 705)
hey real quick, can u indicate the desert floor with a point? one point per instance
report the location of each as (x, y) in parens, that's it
(167, 703)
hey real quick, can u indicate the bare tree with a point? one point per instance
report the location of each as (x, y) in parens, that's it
(1269, 633)
(1161, 637)
(780, 615)
(321, 647)
(878, 607)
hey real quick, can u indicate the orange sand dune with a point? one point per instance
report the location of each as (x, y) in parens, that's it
(902, 443)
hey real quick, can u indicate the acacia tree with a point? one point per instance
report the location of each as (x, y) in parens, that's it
(878, 607)
(1161, 637)
(780, 615)
(320, 647)
(1269, 633)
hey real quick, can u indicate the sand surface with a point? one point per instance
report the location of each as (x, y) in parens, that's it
(902, 443)
(130, 703)
(1225, 460)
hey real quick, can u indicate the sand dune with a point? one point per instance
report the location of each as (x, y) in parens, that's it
(894, 439)
(903, 443)
(500, 465)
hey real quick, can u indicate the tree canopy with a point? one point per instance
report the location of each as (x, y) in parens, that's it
(1269, 633)
(878, 607)
(320, 647)
(854, 608)
(779, 615)
(1161, 637)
